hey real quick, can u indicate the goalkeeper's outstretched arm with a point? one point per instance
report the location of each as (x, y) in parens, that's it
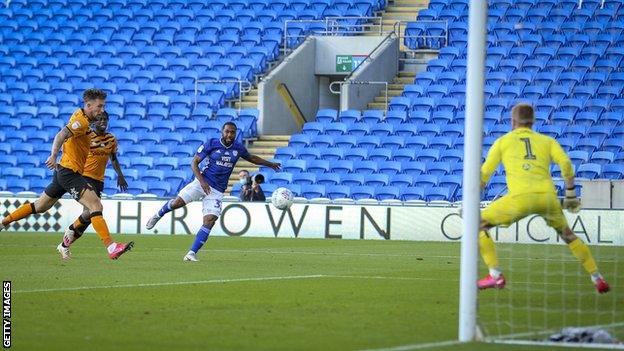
(571, 201)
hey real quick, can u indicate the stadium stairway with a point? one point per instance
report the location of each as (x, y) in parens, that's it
(264, 147)
(394, 89)
(403, 10)
(249, 100)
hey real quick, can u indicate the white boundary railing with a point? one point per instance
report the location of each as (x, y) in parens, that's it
(336, 26)
(358, 82)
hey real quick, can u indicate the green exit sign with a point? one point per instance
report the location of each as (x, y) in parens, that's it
(344, 63)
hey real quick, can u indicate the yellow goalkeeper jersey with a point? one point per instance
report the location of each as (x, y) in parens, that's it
(526, 156)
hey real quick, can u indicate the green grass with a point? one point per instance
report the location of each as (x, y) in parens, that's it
(370, 294)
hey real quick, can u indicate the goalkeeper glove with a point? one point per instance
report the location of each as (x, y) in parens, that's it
(571, 202)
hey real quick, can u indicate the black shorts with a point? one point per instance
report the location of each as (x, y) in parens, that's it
(67, 181)
(97, 185)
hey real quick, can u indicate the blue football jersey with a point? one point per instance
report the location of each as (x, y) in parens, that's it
(220, 161)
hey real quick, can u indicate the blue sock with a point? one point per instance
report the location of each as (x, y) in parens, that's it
(166, 208)
(200, 239)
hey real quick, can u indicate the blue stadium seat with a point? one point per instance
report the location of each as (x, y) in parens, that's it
(413, 193)
(345, 141)
(338, 191)
(341, 166)
(285, 153)
(612, 171)
(305, 178)
(382, 154)
(359, 129)
(362, 192)
(589, 170)
(281, 179)
(349, 116)
(313, 191)
(372, 116)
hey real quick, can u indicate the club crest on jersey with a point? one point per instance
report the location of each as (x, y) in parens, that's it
(76, 125)
(235, 152)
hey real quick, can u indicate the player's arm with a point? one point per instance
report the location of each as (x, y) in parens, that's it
(197, 173)
(59, 139)
(121, 180)
(491, 162)
(571, 202)
(257, 160)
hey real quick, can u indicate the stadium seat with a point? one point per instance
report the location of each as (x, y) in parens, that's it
(589, 170)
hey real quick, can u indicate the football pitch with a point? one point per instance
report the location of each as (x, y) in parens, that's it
(244, 294)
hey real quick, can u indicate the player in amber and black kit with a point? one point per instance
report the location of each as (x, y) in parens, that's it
(75, 138)
(103, 148)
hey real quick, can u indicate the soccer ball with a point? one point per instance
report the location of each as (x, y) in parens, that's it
(282, 198)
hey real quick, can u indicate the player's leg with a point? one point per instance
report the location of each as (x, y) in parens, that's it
(48, 198)
(211, 209)
(504, 212)
(91, 201)
(73, 232)
(80, 225)
(191, 192)
(201, 237)
(555, 218)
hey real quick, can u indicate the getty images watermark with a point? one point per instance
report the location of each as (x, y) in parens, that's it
(6, 314)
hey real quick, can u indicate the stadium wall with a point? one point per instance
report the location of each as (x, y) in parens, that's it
(332, 221)
(297, 73)
(382, 66)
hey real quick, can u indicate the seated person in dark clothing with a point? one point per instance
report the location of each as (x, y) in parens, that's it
(251, 190)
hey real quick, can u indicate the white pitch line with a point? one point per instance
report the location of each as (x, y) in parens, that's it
(173, 283)
(365, 254)
(429, 345)
(436, 279)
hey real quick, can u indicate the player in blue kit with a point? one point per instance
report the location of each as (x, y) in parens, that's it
(210, 183)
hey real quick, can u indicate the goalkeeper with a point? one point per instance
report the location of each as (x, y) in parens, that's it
(526, 156)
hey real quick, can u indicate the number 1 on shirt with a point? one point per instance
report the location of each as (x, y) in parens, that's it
(529, 153)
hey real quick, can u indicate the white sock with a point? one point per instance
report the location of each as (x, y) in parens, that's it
(595, 277)
(111, 247)
(495, 272)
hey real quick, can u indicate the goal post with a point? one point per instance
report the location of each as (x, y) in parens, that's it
(475, 80)
(548, 289)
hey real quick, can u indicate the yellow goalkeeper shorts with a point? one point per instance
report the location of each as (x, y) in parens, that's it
(512, 208)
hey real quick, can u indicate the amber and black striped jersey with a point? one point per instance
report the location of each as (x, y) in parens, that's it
(76, 147)
(102, 147)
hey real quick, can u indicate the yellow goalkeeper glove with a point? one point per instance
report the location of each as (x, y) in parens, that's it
(571, 202)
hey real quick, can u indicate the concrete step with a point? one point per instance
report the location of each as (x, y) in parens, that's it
(376, 106)
(394, 93)
(396, 86)
(403, 9)
(285, 138)
(265, 150)
(246, 104)
(265, 144)
(404, 80)
(399, 16)
(381, 99)
(409, 3)
(407, 74)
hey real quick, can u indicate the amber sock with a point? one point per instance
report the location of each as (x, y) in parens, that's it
(101, 228)
(22, 211)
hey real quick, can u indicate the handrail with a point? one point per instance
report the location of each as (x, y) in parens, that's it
(333, 27)
(240, 83)
(367, 58)
(358, 82)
